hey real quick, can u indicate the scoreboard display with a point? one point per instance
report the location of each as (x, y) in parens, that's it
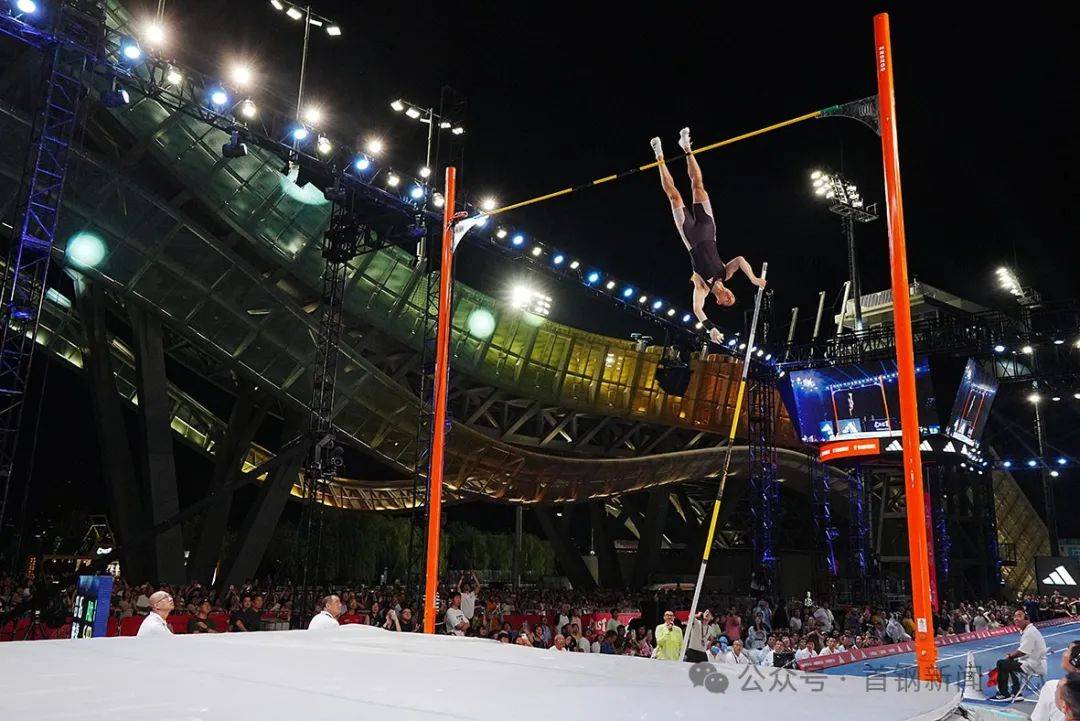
(89, 618)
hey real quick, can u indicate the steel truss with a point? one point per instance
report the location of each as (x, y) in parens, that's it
(77, 38)
(974, 334)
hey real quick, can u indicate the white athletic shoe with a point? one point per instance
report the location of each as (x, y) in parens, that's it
(684, 139)
(657, 148)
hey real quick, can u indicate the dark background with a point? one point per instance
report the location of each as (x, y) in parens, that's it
(559, 94)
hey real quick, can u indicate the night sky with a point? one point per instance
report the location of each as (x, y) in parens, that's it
(563, 93)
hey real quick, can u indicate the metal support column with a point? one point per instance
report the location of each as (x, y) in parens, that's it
(607, 560)
(567, 556)
(160, 494)
(247, 414)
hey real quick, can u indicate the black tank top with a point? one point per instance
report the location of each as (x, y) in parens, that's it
(699, 229)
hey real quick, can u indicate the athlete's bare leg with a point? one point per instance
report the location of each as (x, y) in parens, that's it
(678, 212)
(697, 183)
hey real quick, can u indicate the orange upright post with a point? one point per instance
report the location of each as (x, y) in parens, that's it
(925, 651)
(438, 432)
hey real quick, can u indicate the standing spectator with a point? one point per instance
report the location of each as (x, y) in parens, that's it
(757, 634)
(200, 622)
(160, 604)
(456, 623)
(824, 617)
(697, 630)
(245, 618)
(613, 622)
(328, 616)
(795, 622)
(765, 611)
(732, 624)
(468, 588)
(669, 639)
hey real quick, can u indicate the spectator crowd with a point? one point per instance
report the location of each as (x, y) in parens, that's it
(651, 624)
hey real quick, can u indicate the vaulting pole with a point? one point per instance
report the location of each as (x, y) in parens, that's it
(727, 461)
(438, 435)
(925, 651)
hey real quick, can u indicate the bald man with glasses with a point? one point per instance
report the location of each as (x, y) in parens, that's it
(161, 605)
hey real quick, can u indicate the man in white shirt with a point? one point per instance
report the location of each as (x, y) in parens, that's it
(806, 651)
(161, 604)
(1029, 658)
(979, 623)
(824, 618)
(737, 655)
(767, 655)
(1046, 708)
(580, 641)
(328, 616)
(456, 623)
(696, 629)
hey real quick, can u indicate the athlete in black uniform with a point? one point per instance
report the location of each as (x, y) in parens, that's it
(698, 232)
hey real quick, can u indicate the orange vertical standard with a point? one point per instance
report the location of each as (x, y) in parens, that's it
(925, 651)
(438, 432)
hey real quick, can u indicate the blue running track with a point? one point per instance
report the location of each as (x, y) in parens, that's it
(951, 659)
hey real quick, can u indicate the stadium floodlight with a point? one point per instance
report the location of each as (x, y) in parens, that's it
(375, 146)
(425, 172)
(518, 240)
(458, 130)
(312, 115)
(248, 109)
(173, 76)
(129, 49)
(393, 180)
(241, 75)
(438, 200)
(26, 7)
(592, 277)
(488, 204)
(333, 30)
(294, 13)
(1034, 398)
(397, 106)
(412, 112)
(417, 192)
(85, 249)
(323, 145)
(154, 34)
(219, 98)
(575, 264)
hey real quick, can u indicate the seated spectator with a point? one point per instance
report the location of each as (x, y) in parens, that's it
(246, 618)
(160, 604)
(559, 645)
(328, 616)
(200, 622)
(503, 637)
(737, 654)
(608, 644)
(807, 651)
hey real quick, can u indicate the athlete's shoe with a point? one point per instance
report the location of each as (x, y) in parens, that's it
(657, 148)
(684, 139)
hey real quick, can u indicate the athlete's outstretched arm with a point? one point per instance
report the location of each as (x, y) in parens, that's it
(739, 263)
(701, 292)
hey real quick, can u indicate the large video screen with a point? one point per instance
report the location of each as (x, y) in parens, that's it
(972, 405)
(858, 401)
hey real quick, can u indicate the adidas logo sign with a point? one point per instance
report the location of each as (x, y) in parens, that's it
(1059, 577)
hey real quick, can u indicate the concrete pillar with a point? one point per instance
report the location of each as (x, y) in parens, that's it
(160, 494)
(117, 466)
(648, 553)
(566, 555)
(608, 563)
(263, 516)
(247, 414)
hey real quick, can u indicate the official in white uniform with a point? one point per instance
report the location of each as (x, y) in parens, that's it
(1046, 708)
(1030, 658)
(161, 604)
(328, 616)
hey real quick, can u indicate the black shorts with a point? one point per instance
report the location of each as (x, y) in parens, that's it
(698, 226)
(695, 656)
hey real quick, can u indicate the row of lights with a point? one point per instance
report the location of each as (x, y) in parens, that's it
(1036, 397)
(242, 77)
(1028, 349)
